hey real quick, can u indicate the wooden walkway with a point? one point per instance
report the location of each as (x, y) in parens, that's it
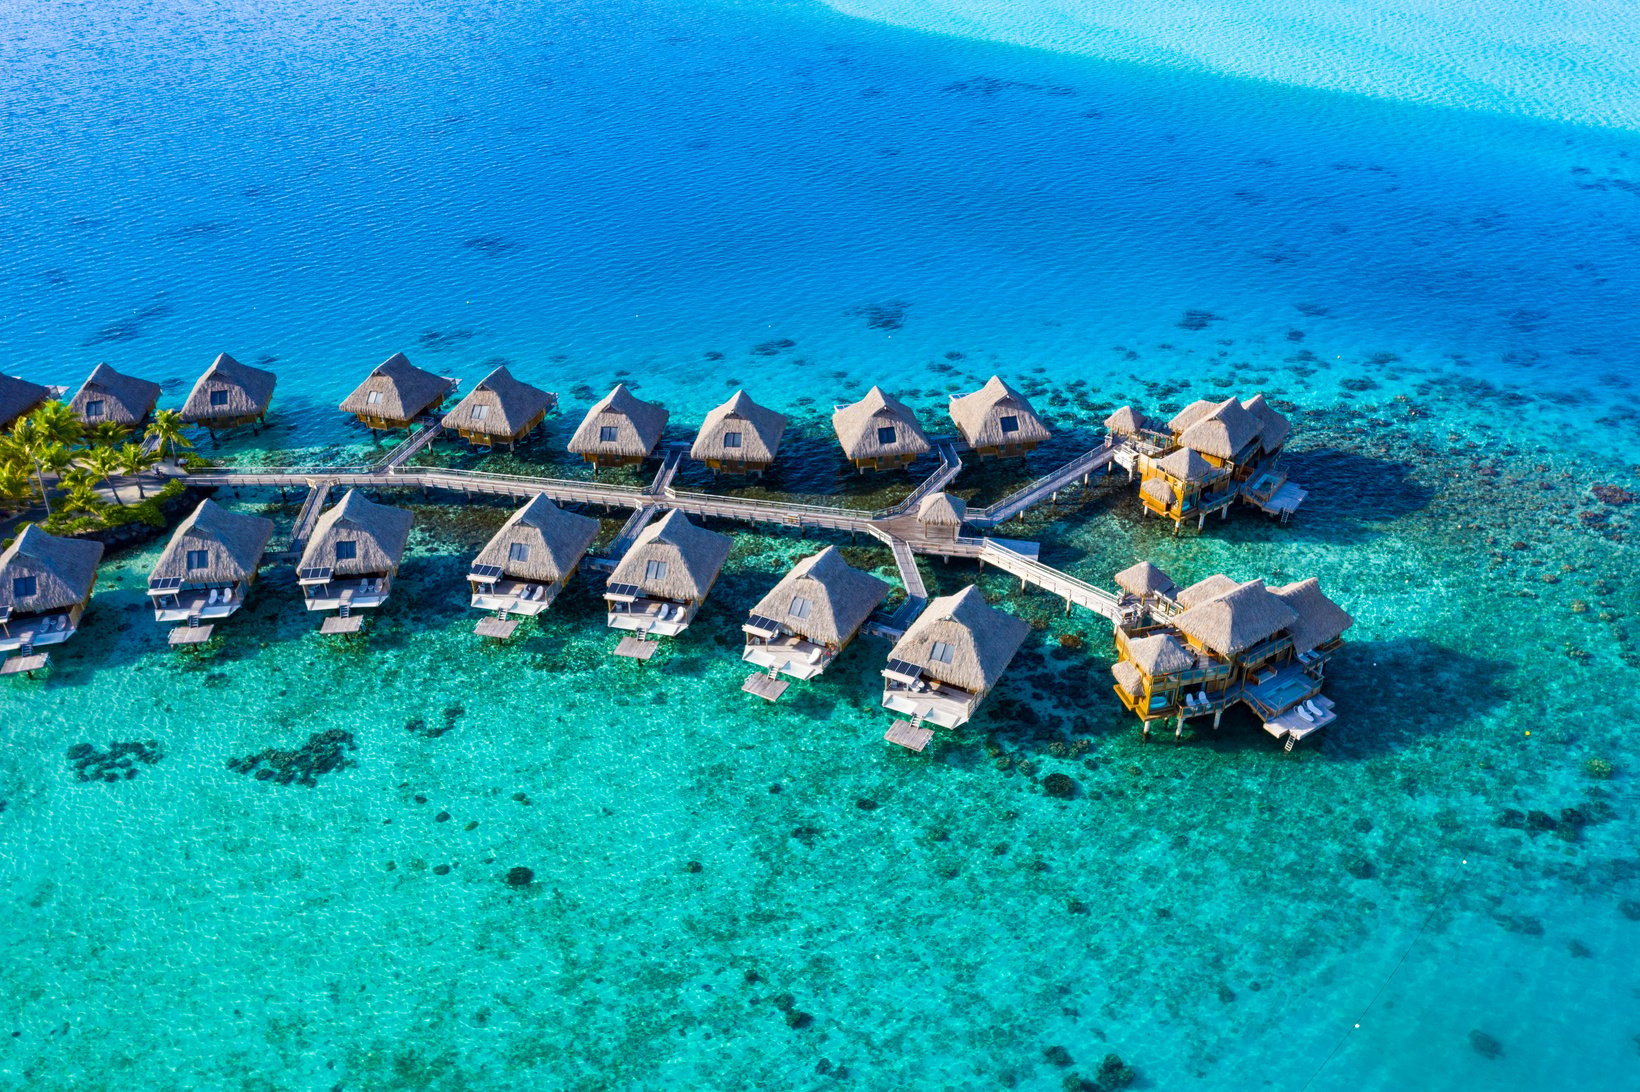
(428, 431)
(905, 536)
(1045, 488)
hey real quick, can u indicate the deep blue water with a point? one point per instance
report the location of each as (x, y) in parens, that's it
(586, 190)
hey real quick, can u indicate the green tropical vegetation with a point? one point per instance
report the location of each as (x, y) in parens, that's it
(51, 443)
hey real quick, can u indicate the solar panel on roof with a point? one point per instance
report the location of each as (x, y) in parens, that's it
(757, 621)
(626, 589)
(901, 667)
(487, 572)
(315, 572)
(164, 583)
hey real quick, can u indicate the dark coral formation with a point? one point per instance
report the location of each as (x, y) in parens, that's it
(118, 763)
(324, 752)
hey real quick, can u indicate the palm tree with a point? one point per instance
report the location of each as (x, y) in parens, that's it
(166, 428)
(80, 496)
(136, 461)
(57, 422)
(16, 488)
(104, 463)
(32, 438)
(107, 434)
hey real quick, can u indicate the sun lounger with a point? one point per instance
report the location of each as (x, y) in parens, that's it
(1304, 712)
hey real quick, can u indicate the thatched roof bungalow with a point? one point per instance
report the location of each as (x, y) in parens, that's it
(739, 436)
(229, 394)
(658, 586)
(1232, 643)
(998, 420)
(19, 397)
(1126, 421)
(878, 432)
(1145, 581)
(950, 658)
(526, 563)
(500, 409)
(107, 396)
(621, 429)
(811, 615)
(396, 393)
(353, 554)
(45, 584)
(208, 565)
(942, 515)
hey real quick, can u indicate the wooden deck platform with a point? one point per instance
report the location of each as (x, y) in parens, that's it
(1301, 720)
(763, 686)
(635, 648)
(499, 628)
(25, 665)
(337, 624)
(912, 737)
(190, 635)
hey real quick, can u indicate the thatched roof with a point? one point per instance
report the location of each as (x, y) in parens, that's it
(839, 596)
(638, 426)
(553, 542)
(1185, 465)
(125, 399)
(510, 406)
(1273, 427)
(1144, 579)
(17, 397)
(233, 544)
(857, 426)
(63, 569)
(1125, 421)
(1231, 623)
(1319, 619)
(1157, 490)
(406, 391)
(691, 556)
(981, 638)
(978, 416)
(1191, 414)
(1203, 590)
(249, 391)
(759, 427)
(380, 532)
(1160, 655)
(1128, 677)
(1223, 432)
(942, 510)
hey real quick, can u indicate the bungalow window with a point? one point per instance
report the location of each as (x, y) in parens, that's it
(374, 398)
(1009, 423)
(940, 653)
(800, 607)
(23, 587)
(608, 434)
(219, 398)
(518, 551)
(347, 549)
(94, 408)
(199, 559)
(886, 435)
(480, 412)
(654, 570)
(731, 439)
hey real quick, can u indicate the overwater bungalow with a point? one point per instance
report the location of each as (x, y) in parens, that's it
(620, 430)
(107, 396)
(206, 569)
(997, 420)
(878, 432)
(228, 395)
(1209, 456)
(18, 398)
(45, 584)
(396, 394)
(740, 436)
(1199, 650)
(949, 659)
(499, 410)
(658, 586)
(811, 615)
(352, 557)
(526, 563)
(1145, 582)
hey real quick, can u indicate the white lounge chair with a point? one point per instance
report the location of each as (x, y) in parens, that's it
(211, 602)
(1305, 713)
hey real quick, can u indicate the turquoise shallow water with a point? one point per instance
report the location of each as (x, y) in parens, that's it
(1447, 300)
